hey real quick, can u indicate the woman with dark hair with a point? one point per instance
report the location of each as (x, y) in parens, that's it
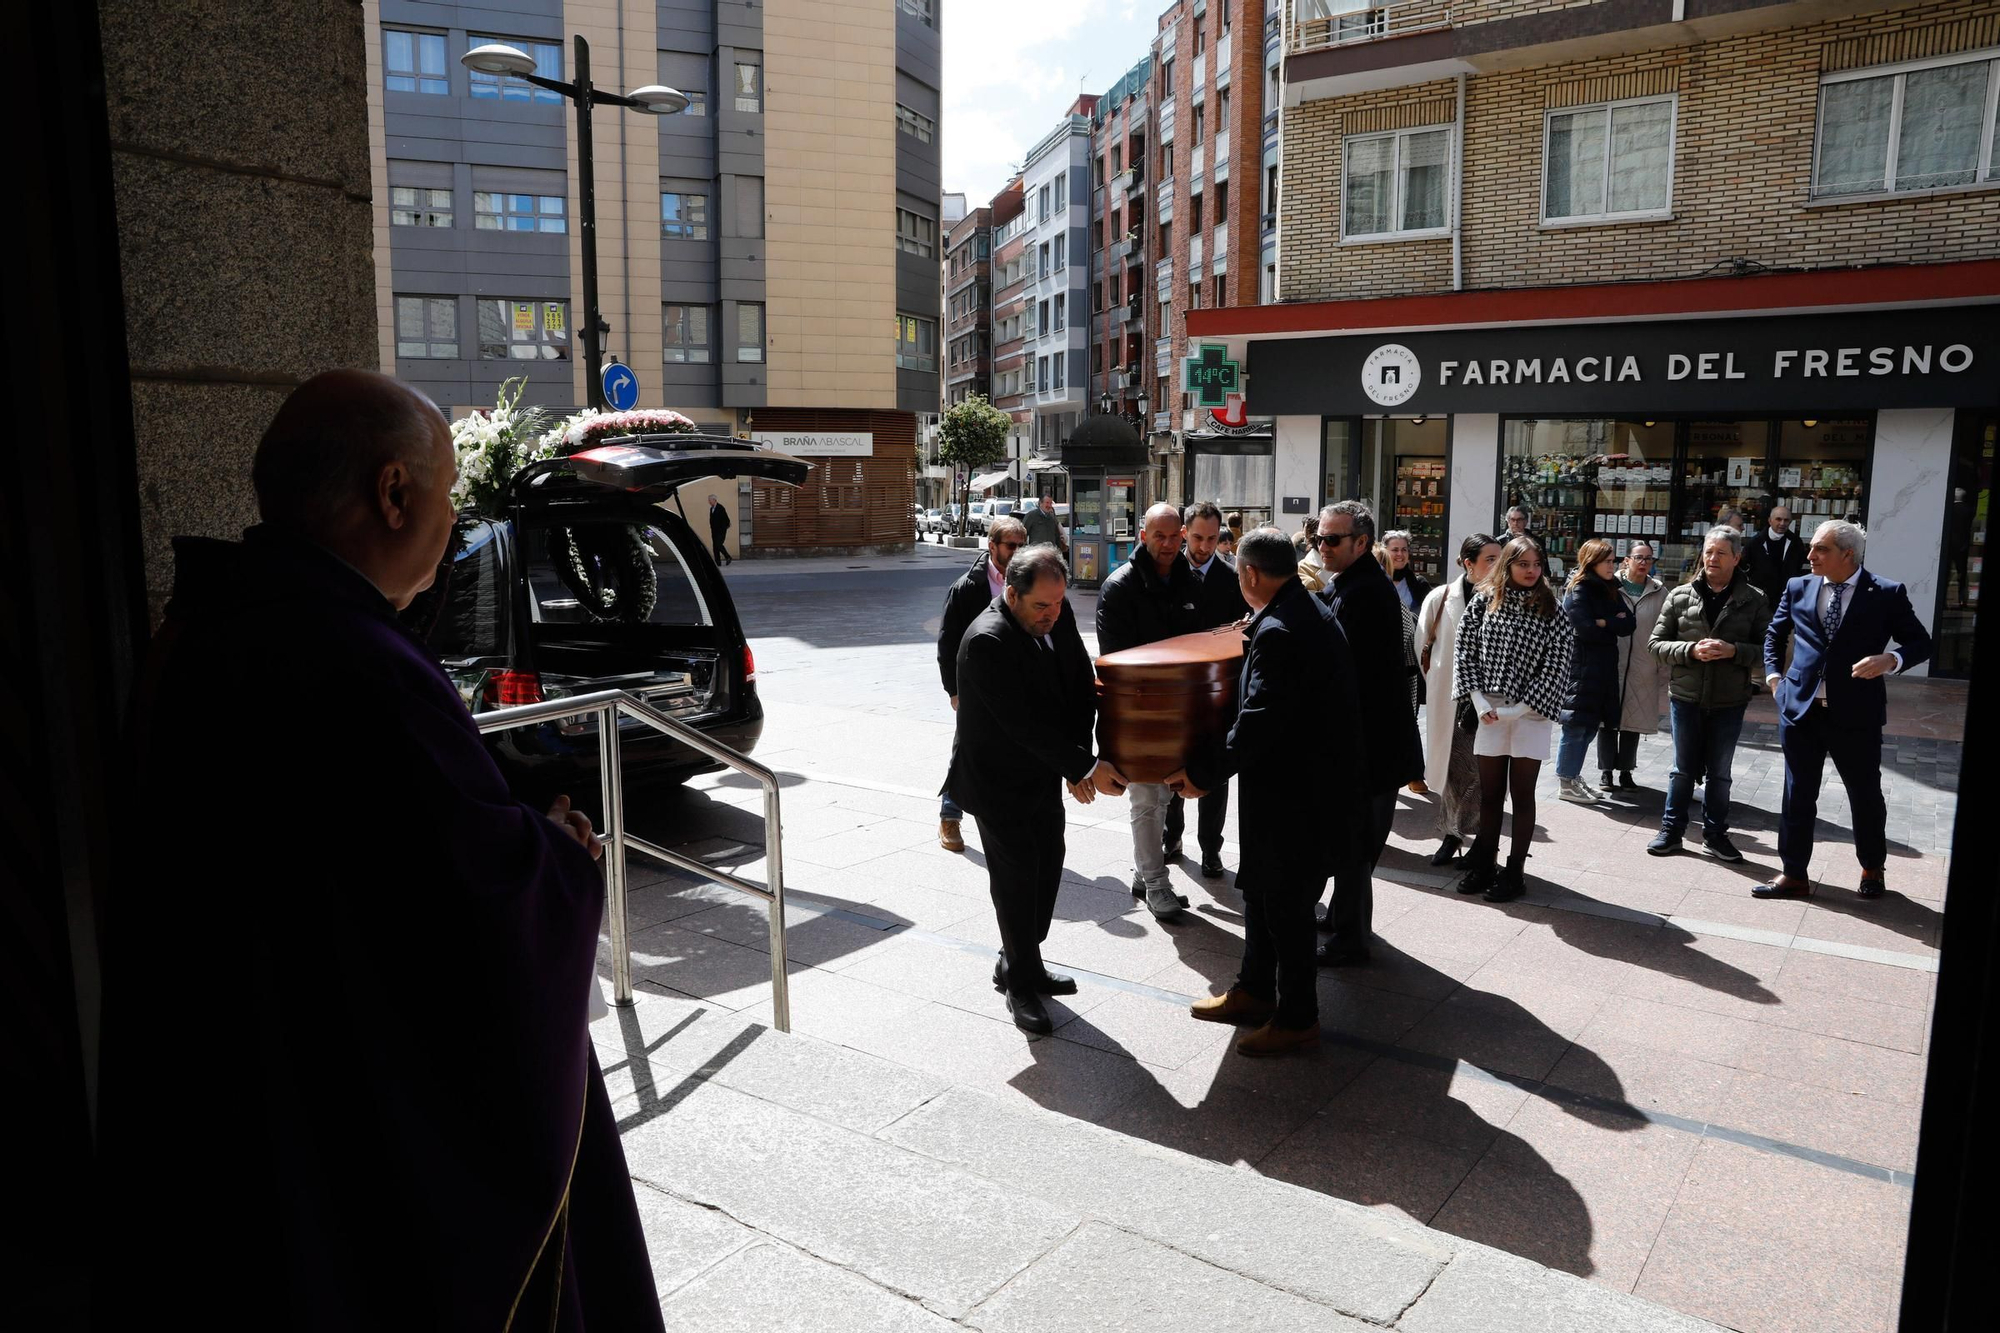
(1512, 661)
(1449, 768)
(1598, 612)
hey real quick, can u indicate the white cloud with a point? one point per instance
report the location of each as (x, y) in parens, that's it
(1007, 79)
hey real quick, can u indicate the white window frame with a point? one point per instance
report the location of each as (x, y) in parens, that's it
(1396, 186)
(1673, 101)
(1986, 165)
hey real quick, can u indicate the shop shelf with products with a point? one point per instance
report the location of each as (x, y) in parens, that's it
(1421, 488)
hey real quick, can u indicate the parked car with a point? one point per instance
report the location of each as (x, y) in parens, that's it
(932, 522)
(948, 519)
(517, 619)
(975, 518)
(998, 509)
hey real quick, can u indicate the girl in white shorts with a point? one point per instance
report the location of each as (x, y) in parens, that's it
(1511, 663)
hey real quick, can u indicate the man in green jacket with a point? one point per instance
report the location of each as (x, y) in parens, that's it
(1711, 634)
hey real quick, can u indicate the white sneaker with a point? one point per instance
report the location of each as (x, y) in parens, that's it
(1578, 792)
(1164, 903)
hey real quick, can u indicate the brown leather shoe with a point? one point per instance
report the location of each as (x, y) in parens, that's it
(1274, 1040)
(1237, 1006)
(949, 836)
(1784, 886)
(1872, 884)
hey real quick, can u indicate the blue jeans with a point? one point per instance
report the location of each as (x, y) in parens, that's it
(948, 808)
(1704, 747)
(1572, 747)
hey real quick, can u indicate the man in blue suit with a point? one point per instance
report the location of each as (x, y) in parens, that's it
(1831, 702)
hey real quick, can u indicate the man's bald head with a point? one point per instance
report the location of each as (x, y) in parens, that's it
(323, 453)
(1160, 534)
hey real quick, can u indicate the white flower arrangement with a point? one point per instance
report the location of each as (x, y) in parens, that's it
(589, 426)
(491, 446)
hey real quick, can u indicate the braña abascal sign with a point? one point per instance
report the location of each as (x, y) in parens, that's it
(1894, 358)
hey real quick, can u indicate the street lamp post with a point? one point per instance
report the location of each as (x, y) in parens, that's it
(653, 99)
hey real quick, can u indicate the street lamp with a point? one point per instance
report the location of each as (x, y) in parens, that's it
(653, 99)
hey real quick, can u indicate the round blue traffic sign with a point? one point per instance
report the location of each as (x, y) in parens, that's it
(621, 387)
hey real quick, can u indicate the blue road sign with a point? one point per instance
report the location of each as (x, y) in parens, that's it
(621, 387)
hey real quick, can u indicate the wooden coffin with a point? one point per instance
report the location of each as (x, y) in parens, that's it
(1162, 702)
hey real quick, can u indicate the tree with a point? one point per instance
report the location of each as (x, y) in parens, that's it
(972, 434)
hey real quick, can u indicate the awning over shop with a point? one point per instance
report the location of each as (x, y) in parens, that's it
(1044, 465)
(986, 481)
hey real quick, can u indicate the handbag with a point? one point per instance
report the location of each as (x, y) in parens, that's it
(1466, 718)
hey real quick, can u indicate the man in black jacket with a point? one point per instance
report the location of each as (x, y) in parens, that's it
(1026, 698)
(1774, 556)
(974, 591)
(1294, 697)
(1365, 605)
(1151, 597)
(1218, 601)
(718, 531)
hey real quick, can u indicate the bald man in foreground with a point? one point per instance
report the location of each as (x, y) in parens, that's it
(347, 1079)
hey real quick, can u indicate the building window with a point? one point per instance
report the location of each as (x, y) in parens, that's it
(1062, 253)
(1925, 127)
(1041, 205)
(1221, 290)
(749, 87)
(687, 335)
(749, 331)
(1167, 240)
(1615, 160)
(1194, 215)
(918, 126)
(523, 330)
(1200, 122)
(1166, 79)
(1395, 184)
(1056, 371)
(1062, 192)
(413, 207)
(749, 219)
(684, 217)
(413, 62)
(548, 63)
(493, 211)
(920, 10)
(1061, 312)
(1041, 374)
(916, 343)
(427, 327)
(916, 233)
(1270, 218)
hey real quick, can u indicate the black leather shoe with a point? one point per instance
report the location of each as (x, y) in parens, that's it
(1478, 877)
(1029, 1016)
(1604, 779)
(1783, 887)
(1665, 843)
(1211, 865)
(1872, 885)
(1055, 983)
(1173, 851)
(1509, 883)
(1327, 955)
(1625, 781)
(1447, 850)
(1322, 918)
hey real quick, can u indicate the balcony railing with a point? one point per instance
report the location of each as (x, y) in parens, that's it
(1198, 158)
(1167, 116)
(1122, 183)
(1223, 48)
(1163, 197)
(1219, 243)
(1194, 256)
(1162, 421)
(1137, 184)
(1318, 24)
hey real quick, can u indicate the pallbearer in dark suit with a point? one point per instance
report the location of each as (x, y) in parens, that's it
(1295, 695)
(1026, 701)
(1774, 556)
(1218, 601)
(1831, 700)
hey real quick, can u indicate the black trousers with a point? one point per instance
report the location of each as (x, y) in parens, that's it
(1278, 941)
(1214, 813)
(1024, 857)
(1353, 913)
(1617, 751)
(1857, 756)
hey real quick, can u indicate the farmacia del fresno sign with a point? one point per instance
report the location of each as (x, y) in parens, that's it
(1904, 358)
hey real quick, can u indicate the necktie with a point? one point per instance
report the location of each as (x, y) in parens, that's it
(1199, 575)
(1833, 612)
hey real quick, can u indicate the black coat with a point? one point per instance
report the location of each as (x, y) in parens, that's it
(1420, 588)
(963, 601)
(1593, 694)
(268, 1081)
(1024, 715)
(1293, 701)
(1218, 598)
(1137, 606)
(718, 520)
(1771, 565)
(1371, 616)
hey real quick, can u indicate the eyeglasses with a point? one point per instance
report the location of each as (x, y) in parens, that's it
(1332, 538)
(1003, 546)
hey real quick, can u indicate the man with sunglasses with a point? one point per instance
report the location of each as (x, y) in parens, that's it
(984, 580)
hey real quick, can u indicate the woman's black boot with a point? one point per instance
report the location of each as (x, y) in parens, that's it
(1478, 876)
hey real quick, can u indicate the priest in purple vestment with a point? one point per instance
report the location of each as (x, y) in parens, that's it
(348, 1080)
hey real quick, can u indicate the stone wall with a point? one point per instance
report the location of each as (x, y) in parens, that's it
(239, 139)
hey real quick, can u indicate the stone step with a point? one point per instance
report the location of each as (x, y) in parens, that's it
(790, 1182)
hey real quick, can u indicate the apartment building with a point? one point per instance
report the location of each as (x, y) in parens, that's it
(1718, 255)
(753, 251)
(1011, 318)
(1056, 204)
(1209, 244)
(968, 296)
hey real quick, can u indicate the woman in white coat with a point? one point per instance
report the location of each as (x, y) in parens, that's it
(1640, 674)
(1449, 768)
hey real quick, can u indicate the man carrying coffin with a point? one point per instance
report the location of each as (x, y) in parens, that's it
(1296, 695)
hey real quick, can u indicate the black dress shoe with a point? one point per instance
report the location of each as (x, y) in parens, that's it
(1782, 887)
(1871, 885)
(1625, 781)
(1322, 920)
(1211, 865)
(1479, 872)
(1173, 851)
(1332, 955)
(1029, 1016)
(1446, 850)
(1055, 983)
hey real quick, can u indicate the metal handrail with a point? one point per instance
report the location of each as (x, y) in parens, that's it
(608, 706)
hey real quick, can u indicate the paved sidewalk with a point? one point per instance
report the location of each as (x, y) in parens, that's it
(1637, 1074)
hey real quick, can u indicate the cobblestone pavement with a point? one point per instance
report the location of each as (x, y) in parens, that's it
(1636, 1074)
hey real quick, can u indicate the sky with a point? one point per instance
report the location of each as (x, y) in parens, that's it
(1011, 67)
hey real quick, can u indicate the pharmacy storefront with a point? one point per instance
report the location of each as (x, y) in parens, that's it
(1650, 425)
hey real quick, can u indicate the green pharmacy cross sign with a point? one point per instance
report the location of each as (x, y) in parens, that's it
(1211, 375)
